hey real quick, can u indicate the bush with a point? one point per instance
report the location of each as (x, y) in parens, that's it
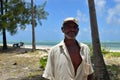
(43, 61)
(112, 54)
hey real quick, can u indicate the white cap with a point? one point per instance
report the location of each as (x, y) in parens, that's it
(70, 19)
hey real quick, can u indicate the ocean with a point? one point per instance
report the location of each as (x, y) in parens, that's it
(111, 45)
(106, 45)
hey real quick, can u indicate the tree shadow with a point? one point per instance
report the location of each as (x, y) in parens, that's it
(15, 50)
(114, 71)
(35, 77)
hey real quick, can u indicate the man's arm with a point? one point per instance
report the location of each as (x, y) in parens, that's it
(90, 77)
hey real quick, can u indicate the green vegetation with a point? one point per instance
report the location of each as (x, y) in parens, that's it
(112, 54)
(43, 62)
(35, 52)
(114, 72)
(105, 52)
(16, 14)
(113, 67)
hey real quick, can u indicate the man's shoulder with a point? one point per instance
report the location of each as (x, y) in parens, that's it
(57, 46)
(83, 44)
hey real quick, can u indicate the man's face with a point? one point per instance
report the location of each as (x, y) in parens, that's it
(70, 30)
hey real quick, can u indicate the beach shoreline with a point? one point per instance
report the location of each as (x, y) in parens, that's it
(112, 50)
(38, 47)
(48, 47)
(20, 64)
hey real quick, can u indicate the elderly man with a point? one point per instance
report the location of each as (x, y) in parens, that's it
(69, 60)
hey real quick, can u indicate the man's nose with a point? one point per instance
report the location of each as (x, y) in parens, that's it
(73, 29)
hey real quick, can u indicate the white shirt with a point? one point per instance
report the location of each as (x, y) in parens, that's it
(59, 65)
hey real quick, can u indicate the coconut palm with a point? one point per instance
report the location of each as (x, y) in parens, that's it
(40, 13)
(33, 26)
(3, 30)
(15, 14)
(11, 17)
(99, 65)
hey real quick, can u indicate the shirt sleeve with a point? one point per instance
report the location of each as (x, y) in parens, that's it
(49, 69)
(88, 65)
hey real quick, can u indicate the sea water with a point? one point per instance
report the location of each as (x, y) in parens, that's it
(106, 45)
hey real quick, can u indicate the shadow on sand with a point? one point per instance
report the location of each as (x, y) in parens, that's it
(36, 77)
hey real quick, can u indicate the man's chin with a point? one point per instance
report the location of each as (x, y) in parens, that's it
(71, 38)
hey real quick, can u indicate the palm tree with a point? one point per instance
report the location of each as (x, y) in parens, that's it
(40, 14)
(33, 26)
(99, 65)
(9, 18)
(3, 30)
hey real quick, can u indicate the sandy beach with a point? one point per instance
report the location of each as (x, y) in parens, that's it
(30, 46)
(48, 47)
(38, 47)
(23, 64)
(113, 50)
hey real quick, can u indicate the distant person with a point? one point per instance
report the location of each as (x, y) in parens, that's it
(69, 60)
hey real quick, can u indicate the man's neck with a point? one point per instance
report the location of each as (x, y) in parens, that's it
(70, 42)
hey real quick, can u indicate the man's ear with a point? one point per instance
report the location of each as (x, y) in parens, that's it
(62, 29)
(78, 29)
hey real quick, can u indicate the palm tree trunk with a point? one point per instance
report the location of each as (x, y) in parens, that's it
(4, 39)
(3, 30)
(99, 65)
(33, 26)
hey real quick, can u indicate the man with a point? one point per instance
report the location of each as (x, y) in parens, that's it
(69, 60)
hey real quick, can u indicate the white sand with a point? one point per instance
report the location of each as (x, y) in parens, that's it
(37, 47)
(114, 50)
(30, 46)
(45, 47)
(48, 47)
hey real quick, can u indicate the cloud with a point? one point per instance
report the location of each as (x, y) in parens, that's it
(117, 0)
(100, 6)
(81, 17)
(113, 15)
(109, 32)
(85, 29)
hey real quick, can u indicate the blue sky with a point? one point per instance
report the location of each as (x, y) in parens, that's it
(108, 18)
